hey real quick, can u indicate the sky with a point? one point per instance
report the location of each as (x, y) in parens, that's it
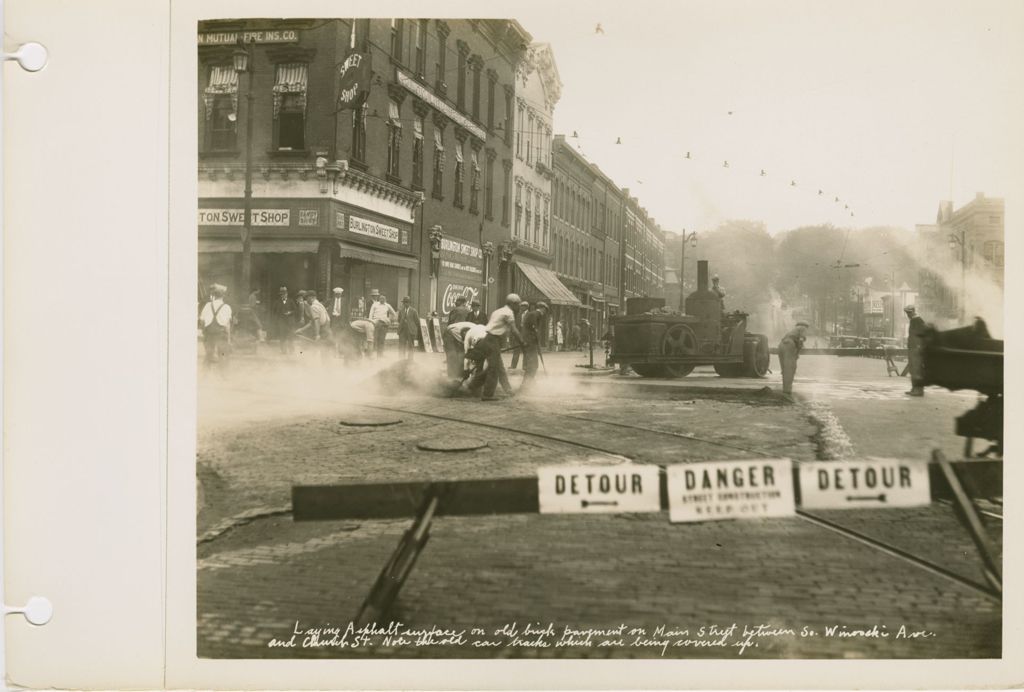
(890, 106)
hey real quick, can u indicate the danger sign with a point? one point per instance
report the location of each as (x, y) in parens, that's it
(748, 489)
(589, 489)
(867, 483)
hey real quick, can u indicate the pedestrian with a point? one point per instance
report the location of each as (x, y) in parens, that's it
(282, 320)
(381, 314)
(915, 335)
(533, 324)
(215, 321)
(559, 336)
(586, 335)
(454, 336)
(318, 328)
(459, 313)
(408, 329)
(524, 307)
(574, 338)
(500, 326)
(337, 313)
(476, 314)
(789, 352)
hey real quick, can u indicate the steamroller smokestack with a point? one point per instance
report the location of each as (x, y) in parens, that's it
(702, 275)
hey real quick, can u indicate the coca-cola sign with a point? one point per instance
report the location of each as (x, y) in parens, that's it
(453, 292)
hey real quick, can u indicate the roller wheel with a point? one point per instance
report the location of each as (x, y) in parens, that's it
(649, 369)
(680, 341)
(729, 369)
(756, 357)
(678, 370)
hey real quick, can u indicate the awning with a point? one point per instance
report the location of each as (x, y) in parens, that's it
(377, 256)
(260, 245)
(547, 284)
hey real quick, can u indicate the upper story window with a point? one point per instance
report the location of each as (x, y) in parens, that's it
(529, 139)
(290, 106)
(417, 151)
(508, 116)
(394, 139)
(442, 59)
(359, 133)
(221, 101)
(474, 181)
(520, 121)
(992, 251)
(438, 182)
(460, 84)
(397, 25)
(491, 77)
(460, 174)
(421, 48)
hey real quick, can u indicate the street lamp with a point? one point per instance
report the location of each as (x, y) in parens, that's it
(243, 63)
(962, 242)
(690, 238)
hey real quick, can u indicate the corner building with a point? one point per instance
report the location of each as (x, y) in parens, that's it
(408, 193)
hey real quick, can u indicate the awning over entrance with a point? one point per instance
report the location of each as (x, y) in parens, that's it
(272, 245)
(547, 283)
(377, 257)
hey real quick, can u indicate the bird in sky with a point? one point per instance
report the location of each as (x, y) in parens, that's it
(574, 135)
(792, 183)
(763, 174)
(618, 140)
(687, 154)
(599, 29)
(819, 192)
(725, 165)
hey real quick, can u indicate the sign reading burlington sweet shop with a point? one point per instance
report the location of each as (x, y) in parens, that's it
(373, 229)
(234, 217)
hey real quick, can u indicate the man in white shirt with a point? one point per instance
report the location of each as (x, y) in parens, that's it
(215, 320)
(453, 337)
(381, 314)
(336, 313)
(319, 326)
(500, 326)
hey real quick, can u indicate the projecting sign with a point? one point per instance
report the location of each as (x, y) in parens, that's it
(864, 483)
(596, 489)
(748, 489)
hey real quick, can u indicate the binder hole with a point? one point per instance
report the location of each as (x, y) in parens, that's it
(31, 56)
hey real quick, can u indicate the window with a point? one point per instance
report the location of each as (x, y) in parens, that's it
(993, 250)
(489, 186)
(417, 152)
(508, 116)
(460, 174)
(359, 133)
(290, 106)
(519, 131)
(442, 60)
(221, 101)
(517, 229)
(396, 39)
(394, 139)
(506, 190)
(490, 100)
(438, 187)
(474, 181)
(529, 215)
(529, 139)
(547, 212)
(421, 48)
(460, 93)
(476, 65)
(536, 218)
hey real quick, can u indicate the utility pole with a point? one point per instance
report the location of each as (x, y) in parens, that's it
(243, 63)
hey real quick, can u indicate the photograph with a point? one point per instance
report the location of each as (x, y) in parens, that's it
(657, 331)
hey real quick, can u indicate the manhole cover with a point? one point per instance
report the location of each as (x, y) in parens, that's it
(451, 444)
(369, 420)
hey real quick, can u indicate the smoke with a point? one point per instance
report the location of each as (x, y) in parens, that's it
(983, 296)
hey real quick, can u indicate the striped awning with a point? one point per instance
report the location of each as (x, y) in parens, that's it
(291, 79)
(546, 283)
(223, 80)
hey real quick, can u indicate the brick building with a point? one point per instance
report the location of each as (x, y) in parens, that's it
(408, 193)
(965, 244)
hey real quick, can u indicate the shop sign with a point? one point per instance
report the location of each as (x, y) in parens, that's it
(453, 292)
(748, 489)
(599, 489)
(461, 257)
(230, 38)
(234, 217)
(309, 217)
(873, 307)
(871, 483)
(439, 104)
(373, 229)
(339, 220)
(353, 81)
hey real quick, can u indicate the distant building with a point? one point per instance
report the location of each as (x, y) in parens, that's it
(962, 244)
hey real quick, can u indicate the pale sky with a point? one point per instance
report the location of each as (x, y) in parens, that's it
(867, 101)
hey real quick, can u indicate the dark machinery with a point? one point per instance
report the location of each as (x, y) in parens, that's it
(969, 358)
(657, 342)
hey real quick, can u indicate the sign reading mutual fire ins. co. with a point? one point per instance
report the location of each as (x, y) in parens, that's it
(588, 489)
(864, 483)
(748, 489)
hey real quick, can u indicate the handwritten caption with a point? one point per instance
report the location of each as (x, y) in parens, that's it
(659, 640)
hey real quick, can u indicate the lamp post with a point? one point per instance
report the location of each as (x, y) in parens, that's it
(690, 238)
(954, 240)
(243, 63)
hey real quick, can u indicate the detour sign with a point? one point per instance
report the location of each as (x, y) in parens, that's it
(866, 483)
(594, 489)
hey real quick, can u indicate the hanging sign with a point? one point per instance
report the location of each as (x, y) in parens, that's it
(599, 489)
(353, 81)
(748, 489)
(859, 484)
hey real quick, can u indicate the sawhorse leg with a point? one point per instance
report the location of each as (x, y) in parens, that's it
(389, 582)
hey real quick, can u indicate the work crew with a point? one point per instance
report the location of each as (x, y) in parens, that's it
(283, 320)
(381, 314)
(363, 332)
(500, 326)
(476, 314)
(789, 351)
(318, 328)
(215, 321)
(533, 325)
(915, 337)
(408, 329)
(453, 337)
(459, 313)
(524, 307)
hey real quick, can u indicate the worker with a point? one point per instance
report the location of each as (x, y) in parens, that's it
(915, 335)
(453, 338)
(533, 325)
(718, 290)
(789, 351)
(215, 321)
(501, 326)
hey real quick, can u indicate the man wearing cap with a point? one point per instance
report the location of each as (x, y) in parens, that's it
(915, 335)
(789, 351)
(215, 320)
(718, 290)
(459, 313)
(500, 326)
(381, 314)
(476, 314)
(282, 320)
(524, 307)
(408, 329)
(533, 328)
